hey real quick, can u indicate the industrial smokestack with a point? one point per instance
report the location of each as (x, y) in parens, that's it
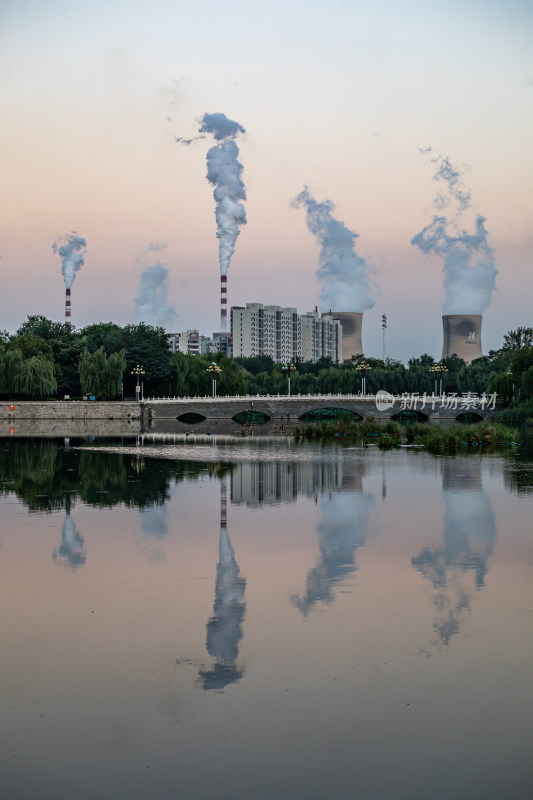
(223, 302)
(224, 173)
(71, 248)
(68, 320)
(351, 324)
(462, 336)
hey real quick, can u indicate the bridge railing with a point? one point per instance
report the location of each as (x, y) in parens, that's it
(251, 397)
(300, 397)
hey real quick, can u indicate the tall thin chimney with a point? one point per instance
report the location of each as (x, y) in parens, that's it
(67, 308)
(223, 302)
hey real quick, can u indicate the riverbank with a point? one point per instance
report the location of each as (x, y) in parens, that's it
(434, 439)
(12, 410)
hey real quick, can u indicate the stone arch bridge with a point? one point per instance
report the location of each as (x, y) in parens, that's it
(283, 410)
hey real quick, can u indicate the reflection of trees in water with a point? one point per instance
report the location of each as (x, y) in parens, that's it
(71, 547)
(48, 476)
(468, 541)
(342, 529)
(224, 629)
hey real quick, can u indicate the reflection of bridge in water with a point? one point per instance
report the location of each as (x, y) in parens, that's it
(275, 411)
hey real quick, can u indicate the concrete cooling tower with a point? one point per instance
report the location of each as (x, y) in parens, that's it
(351, 323)
(462, 336)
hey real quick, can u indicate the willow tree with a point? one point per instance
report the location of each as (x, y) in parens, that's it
(35, 377)
(10, 367)
(101, 375)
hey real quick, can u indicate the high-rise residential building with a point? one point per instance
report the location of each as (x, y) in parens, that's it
(283, 334)
(190, 342)
(194, 344)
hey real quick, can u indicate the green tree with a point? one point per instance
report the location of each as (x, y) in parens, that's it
(502, 383)
(35, 377)
(517, 339)
(101, 375)
(521, 361)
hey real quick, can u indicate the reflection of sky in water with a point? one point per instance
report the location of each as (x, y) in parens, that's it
(154, 521)
(341, 530)
(224, 629)
(468, 541)
(71, 547)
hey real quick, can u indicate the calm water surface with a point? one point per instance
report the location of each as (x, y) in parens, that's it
(264, 620)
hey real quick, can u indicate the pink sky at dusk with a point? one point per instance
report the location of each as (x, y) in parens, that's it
(335, 96)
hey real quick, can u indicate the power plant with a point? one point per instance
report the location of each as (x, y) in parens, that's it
(462, 336)
(351, 324)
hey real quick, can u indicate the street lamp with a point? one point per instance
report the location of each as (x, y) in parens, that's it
(438, 370)
(363, 367)
(288, 368)
(138, 371)
(214, 369)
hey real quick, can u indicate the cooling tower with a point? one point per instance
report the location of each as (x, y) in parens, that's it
(462, 336)
(223, 302)
(351, 323)
(67, 308)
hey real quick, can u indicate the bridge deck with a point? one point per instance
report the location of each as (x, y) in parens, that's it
(279, 407)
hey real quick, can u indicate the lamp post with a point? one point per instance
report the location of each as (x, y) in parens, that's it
(214, 369)
(138, 371)
(363, 367)
(288, 368)
(438, 370)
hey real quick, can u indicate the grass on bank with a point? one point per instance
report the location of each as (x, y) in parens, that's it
(435, 439)
(521, 414)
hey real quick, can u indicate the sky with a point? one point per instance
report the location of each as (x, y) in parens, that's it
(340, 96)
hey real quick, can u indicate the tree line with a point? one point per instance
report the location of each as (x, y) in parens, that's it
(51, 359)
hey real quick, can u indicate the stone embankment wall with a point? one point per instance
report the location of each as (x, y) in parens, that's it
(69, 410)
(64, 419)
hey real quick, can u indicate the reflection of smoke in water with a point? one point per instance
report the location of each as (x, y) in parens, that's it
(71, 548)
(342, 529)
(224, 629)
(469, 534)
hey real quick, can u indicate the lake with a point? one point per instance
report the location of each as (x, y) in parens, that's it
(264, 619)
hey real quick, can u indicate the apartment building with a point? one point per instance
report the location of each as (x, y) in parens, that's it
(283, 334)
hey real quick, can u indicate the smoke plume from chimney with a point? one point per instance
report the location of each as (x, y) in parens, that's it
(151, 303)
(468, 260)
(224, 173)
(343, 273)
(71, 249)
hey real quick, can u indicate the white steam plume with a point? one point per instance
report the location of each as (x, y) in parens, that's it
(224, 173)
(151, 303)
(71, 248)
(343, 274)
(468, 259)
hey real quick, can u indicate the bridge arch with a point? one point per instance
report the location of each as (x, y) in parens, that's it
(190, 417)
(410, 415)
(251, 416)
(329, 414)
(469, 417)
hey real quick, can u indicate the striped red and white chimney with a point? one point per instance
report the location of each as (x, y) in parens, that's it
(68, 320)
(223, 302)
